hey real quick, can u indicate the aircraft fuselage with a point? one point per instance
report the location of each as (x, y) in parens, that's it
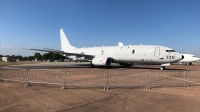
(147, 54)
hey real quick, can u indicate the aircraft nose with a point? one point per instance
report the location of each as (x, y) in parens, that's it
(182, 57)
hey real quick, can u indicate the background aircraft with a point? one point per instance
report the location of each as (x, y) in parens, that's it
(124, 55)
(188, 59)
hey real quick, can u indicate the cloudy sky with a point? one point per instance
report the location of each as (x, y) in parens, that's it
(36, 24)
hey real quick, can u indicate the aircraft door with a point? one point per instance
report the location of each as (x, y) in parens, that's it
(157, 52)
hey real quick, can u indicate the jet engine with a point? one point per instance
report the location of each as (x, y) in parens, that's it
(102, 61)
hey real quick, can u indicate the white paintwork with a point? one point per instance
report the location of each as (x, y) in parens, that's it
(64, 42)
(120, 44)
(146, 54)
(124, 55)
(188, 59)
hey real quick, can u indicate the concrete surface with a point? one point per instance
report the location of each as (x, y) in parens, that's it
(14, 97)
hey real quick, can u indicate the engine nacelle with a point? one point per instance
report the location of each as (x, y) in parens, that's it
(100, 61)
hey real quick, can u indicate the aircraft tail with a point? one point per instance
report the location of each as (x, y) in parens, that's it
(65, 45)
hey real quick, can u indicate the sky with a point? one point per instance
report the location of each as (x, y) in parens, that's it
(88, 23)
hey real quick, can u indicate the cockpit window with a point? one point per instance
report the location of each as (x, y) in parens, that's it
(170, 51)
(133, 51)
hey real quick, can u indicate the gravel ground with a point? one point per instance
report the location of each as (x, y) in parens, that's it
(40, 97)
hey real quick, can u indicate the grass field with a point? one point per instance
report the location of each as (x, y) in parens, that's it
(17, 63)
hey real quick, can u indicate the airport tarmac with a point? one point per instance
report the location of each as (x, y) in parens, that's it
(40, 97)
(85, 66)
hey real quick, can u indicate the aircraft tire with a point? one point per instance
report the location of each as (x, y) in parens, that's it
(162, 67)
(91, 65)
(130, 65)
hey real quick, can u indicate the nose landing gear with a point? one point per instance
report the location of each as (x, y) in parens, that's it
(162, 68)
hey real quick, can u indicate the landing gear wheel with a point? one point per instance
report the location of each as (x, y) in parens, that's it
(132, 64)
(162, 67)
(190, 63)
(91, 65)
(129, 65)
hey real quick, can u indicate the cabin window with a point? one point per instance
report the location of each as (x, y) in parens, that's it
(170, 51)
(133, 51)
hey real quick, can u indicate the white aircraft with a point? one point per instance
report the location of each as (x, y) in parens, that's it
(124, 55)
(188, 59)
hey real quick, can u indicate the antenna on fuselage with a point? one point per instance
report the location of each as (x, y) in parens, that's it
(120, 44)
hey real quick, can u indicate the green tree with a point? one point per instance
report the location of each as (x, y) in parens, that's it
(25, 58)
(50, 56)
(0, 57)
(45, 56)
(30, 58)
(19, 57)
(37, 56)
(13, 57)
(56, 56)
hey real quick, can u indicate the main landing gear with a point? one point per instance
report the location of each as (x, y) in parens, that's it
(127, 64)
(91, 65)
(162, 68)
(190, 63)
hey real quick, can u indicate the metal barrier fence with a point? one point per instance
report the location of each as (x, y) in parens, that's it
(45, 76)
(192, 77)
(85, 78)
(126, 78)
(13, 74)
(167, 78)
(105, 80)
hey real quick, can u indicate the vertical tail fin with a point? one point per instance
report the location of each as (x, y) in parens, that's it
(65, 45)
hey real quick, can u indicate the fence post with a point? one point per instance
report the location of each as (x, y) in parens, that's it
(147, 81)
(63, 82)
(105, 81)
(27, 79)
(184, 80)
(1, 80)
(104, 110)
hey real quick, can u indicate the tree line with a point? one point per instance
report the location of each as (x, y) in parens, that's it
(37, 56)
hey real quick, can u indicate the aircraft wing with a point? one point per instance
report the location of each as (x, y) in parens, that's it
(66, 53)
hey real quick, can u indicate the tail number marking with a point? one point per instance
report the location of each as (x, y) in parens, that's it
(170, 57)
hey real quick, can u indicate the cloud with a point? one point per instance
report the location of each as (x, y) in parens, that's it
(6, 46)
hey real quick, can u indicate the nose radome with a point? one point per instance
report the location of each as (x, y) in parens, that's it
(182, 57)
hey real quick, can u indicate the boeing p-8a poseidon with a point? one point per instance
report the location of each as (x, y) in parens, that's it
(124, 55)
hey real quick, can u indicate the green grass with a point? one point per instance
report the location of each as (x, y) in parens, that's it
(17, 63)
